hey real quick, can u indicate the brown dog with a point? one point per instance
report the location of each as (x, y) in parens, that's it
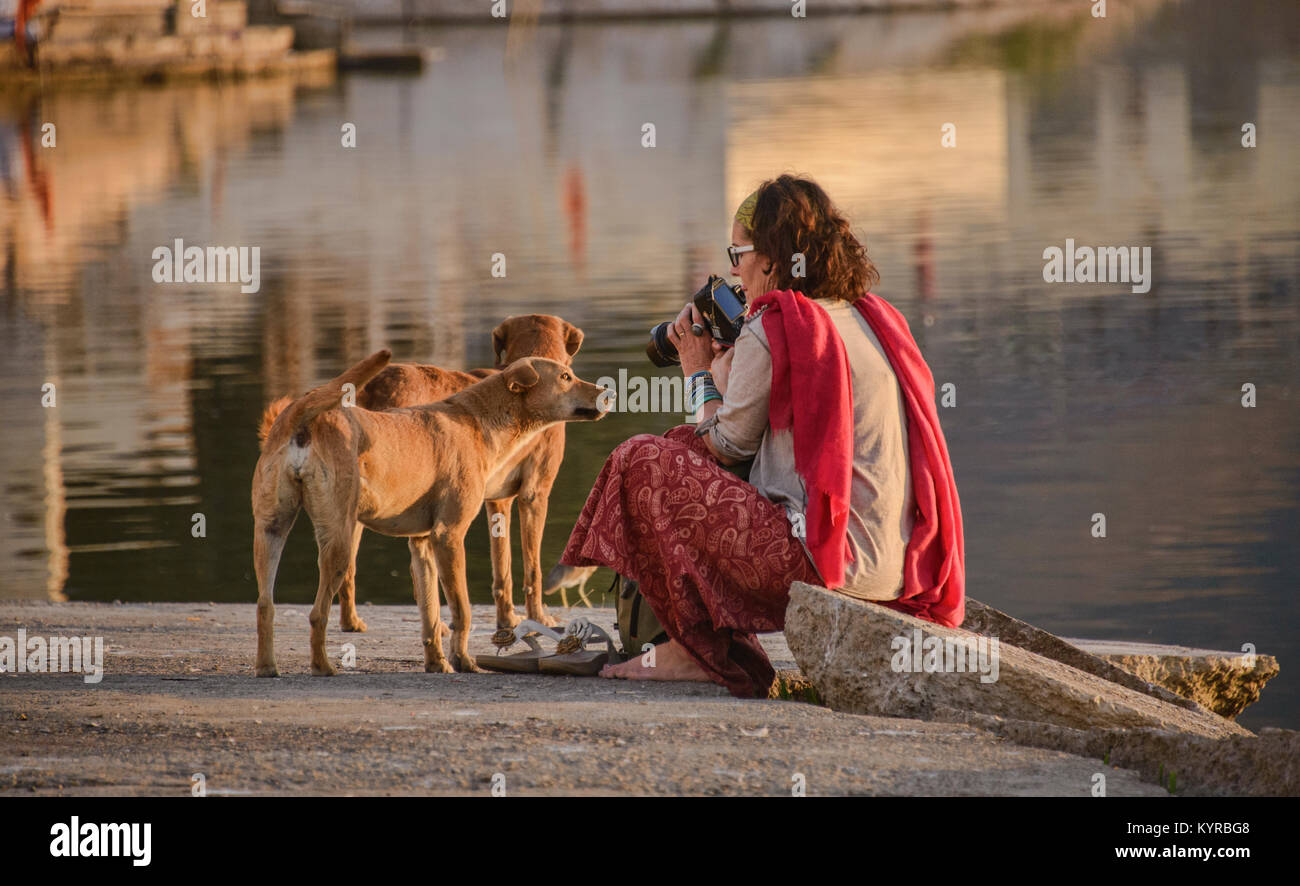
(531, 475)
(420, 473)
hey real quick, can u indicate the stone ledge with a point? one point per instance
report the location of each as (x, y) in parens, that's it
(177, 669)
(984, 619)
(846, 647)
(1224, 682)
(1267, 765)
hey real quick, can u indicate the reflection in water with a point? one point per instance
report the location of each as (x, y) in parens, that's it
(1072, 400)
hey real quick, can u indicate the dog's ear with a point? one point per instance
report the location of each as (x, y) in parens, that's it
(499, 341)
(572, 338)
(520, 376)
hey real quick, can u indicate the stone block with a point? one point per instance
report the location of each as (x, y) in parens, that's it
(868, 659)
(1224, 682)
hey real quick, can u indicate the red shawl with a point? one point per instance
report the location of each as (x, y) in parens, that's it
(821, 418)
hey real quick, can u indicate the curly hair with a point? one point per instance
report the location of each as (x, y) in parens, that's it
(794, 216)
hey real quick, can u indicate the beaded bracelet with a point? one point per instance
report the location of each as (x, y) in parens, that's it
(703, 378)
(700, 389)
(703, 395)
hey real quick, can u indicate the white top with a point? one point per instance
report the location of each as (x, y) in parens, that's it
(881, 503)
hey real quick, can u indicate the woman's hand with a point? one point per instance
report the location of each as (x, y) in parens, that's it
(696, 351)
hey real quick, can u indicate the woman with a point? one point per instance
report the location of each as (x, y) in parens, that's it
(850, 486)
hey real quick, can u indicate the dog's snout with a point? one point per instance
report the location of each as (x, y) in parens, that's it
(593, 403)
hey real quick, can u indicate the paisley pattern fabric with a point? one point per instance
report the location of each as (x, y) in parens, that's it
(713, 557)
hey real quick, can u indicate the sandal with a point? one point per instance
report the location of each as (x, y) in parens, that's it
(521, 662)
(572, 658)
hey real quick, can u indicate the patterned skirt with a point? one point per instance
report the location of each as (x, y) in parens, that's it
(713, 557)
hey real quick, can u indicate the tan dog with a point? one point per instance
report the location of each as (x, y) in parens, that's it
(420, 473)
(532, 474)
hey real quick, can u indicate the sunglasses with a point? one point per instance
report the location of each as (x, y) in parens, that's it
(735, 252)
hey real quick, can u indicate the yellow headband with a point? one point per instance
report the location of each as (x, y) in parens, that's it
(745, 214)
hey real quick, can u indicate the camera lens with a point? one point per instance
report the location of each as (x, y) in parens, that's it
(659, 349)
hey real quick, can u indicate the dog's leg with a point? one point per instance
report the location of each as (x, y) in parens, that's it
(503, 586)
(349, 621)
(532, 520)
(335, 546)
(449, 551)
(424, 574)
(269, 536)
(582, 592)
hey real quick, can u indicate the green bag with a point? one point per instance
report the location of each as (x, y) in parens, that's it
(637, 624)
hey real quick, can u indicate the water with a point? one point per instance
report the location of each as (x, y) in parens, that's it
(1071, 399)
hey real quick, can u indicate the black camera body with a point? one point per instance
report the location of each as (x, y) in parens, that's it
(723, 310)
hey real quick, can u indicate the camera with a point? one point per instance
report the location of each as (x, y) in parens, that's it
(723, 309)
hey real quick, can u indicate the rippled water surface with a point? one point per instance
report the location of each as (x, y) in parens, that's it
(1071, 399)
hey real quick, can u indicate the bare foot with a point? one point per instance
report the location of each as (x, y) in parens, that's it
(669, 662)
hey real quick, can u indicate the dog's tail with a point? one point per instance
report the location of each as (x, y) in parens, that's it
(562, 576)
(283, 418)
(269, 415)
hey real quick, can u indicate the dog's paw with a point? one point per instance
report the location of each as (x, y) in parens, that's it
(465, 664)
(545, 618)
